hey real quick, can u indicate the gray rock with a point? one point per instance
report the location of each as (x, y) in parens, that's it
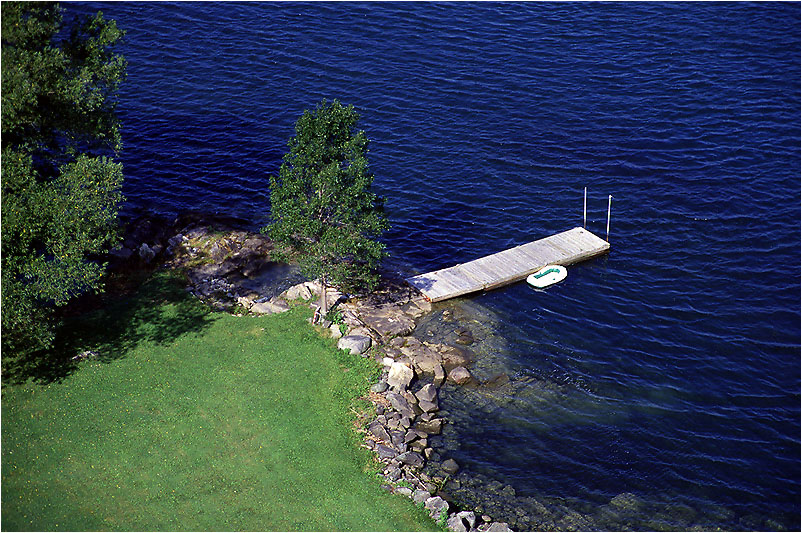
(419, 445)
(397, 438)
(357, 344)
(245, 302)
(399, 376)
(413, 459)
(379, 387)
(468, 517)
(146, 253)
(336, 333)
(455, 523)
(405, 491)
(427, 407)
(269, 307)
(427, 393)
(385, 452)
(299, 292)
(436, 505)
(439, 376)
(378, 431)
(454, 356)
(450, 466)
(392, 473)
(388, 322)
(122, 252)
(432, 427)
(498, 526)
(413, 434)
(460, 376)
(400, 404)
(420, 496)
(426, 360)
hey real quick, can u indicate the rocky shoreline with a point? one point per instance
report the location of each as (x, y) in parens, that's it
(229, 269)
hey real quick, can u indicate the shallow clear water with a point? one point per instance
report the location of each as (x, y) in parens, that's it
(678, 356)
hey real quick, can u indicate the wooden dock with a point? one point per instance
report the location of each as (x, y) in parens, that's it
(509, 266)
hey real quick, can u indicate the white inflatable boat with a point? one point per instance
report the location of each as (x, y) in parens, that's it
(546, 276)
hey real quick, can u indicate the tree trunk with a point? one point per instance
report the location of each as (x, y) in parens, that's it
(324, 305)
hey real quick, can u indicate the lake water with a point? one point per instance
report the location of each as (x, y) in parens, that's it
(670, 369)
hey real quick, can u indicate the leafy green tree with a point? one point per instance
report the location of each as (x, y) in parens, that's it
(60, 184)
(323, 213)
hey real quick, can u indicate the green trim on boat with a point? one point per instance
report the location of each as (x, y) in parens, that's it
(549, 271)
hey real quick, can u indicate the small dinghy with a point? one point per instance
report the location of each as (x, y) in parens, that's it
(546, 276)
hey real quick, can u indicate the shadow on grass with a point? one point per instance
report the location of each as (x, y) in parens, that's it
(159, 312)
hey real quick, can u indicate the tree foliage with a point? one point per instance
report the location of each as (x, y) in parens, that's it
(60, 184)
(323, 212)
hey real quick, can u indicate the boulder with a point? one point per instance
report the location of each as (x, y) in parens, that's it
(392, 473)
(399, 376)
(439, 376)
(378, 431)
(400, 404)
(420, 496)
(388, 321)
(146, 253)
(245, 302)
(404, 491)
(357, 344)
(425, 360)
(498, 526)
(336, 333)
(450, 467)
(413, 459)
(428, 407)
(460, 376)
(453, 357)
(427, 393)
(455, 523)
(379, 387)
(385, 452)
(468, 517)
(436, 505)
(299, 292)
(413, 434)
(432, 427)
(269, 307)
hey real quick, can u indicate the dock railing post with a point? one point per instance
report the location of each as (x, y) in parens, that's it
(585, 210)
(609, 204)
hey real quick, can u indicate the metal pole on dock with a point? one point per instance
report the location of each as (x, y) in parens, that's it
(585, 210)
(609, 203)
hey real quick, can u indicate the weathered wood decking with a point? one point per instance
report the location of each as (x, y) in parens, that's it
(509, 266)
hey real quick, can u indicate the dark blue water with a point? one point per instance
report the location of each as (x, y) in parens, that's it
(678, 356)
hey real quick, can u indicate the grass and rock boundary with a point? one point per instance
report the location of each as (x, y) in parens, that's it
(221, 265)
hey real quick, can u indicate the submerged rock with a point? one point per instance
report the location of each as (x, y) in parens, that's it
(460, 376)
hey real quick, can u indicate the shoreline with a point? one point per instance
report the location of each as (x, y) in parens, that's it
(229, 270)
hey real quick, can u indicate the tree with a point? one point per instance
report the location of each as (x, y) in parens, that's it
(323, 213)
(60, 184)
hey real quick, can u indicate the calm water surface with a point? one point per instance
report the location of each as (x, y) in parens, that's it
(674, 363)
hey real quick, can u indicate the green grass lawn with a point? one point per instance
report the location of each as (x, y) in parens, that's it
(192, 420)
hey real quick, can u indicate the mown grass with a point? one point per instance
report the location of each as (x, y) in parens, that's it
(192, 420)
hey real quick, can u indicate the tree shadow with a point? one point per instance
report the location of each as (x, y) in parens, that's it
(160, 311)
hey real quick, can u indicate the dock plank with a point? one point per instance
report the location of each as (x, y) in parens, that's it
(509, 266)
